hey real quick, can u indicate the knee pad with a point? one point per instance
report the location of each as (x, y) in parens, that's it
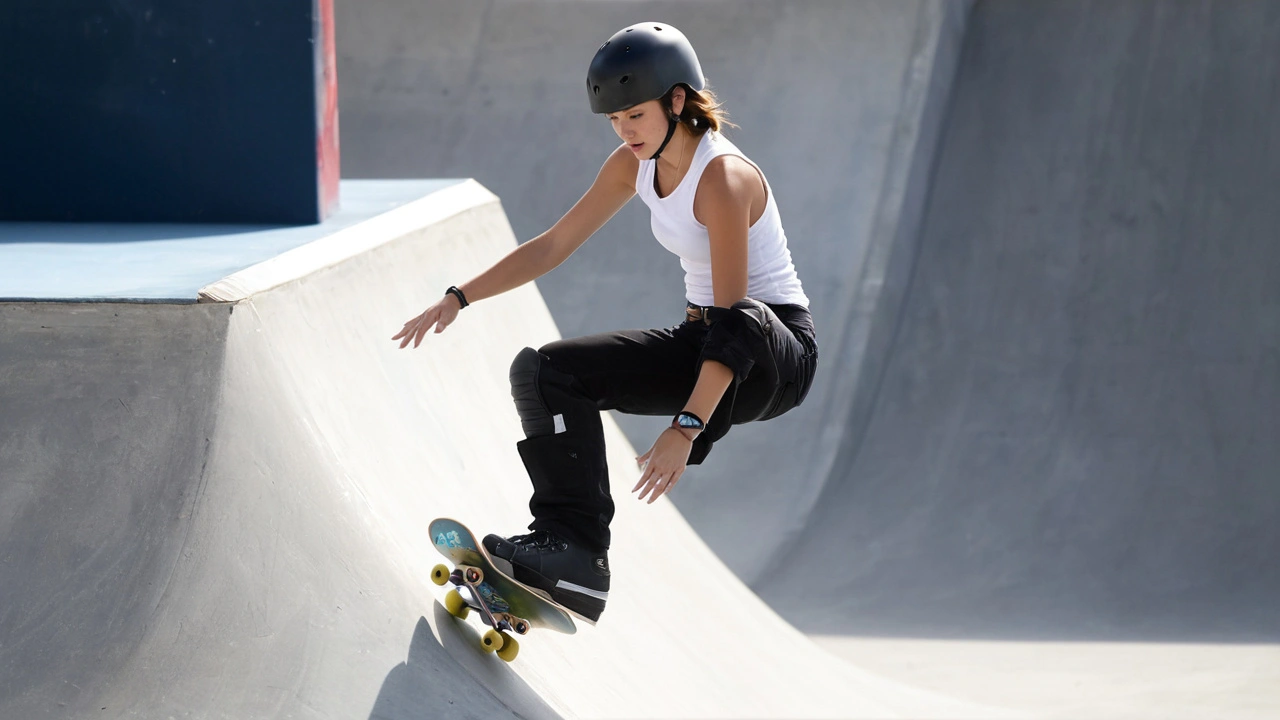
(529, 372)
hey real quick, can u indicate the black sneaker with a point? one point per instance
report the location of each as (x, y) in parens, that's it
(492, 542)
(562, 571)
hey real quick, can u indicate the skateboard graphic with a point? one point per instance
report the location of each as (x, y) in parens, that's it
(504, 604)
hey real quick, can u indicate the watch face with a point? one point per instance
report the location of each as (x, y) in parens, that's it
(688, 422)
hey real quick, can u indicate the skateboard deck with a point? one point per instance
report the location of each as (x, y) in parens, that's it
(504, 604)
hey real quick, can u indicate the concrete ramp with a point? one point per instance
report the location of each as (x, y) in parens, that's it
(1075, 435)
(220, 510)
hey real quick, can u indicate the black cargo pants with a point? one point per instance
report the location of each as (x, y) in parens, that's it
(561, 389)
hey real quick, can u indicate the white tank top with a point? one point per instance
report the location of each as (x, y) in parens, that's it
(771, 276)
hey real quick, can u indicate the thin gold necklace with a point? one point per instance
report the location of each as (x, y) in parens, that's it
(679, 164)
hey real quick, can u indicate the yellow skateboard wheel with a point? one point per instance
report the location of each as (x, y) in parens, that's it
(440, 574)
(491, 640)
(456, 606)
(510, 648)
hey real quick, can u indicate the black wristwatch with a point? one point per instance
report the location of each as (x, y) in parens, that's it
(688, 421)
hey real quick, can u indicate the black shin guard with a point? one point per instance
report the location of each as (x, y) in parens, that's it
(563, 452)
(570, 488)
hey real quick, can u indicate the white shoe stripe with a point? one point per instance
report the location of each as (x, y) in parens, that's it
(582, 590)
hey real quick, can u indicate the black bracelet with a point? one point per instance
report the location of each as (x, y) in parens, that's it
(454, 291)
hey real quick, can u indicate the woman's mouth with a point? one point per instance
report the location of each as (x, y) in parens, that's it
(635, 147)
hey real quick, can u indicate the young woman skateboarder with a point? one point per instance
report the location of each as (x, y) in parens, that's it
(746, 350)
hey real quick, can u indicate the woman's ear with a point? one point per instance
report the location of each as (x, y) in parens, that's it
(677, 100)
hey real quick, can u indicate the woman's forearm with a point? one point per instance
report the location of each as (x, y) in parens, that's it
(527, 262)
(713, 381)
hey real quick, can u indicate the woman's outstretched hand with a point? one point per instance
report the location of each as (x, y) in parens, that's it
(441, 315)
(663, 464)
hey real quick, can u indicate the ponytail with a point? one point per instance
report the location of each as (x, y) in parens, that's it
(702, 111)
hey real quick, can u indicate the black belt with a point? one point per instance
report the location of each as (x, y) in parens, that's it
(694, 313)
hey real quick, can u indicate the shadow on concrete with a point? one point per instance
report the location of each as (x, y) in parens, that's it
(421, 687)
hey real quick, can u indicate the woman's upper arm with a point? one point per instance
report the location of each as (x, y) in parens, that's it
(724, 199)
(612, 188)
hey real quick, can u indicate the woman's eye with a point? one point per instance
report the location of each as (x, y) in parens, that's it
(637, 116)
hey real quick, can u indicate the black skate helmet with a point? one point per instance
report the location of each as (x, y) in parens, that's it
(641, 63)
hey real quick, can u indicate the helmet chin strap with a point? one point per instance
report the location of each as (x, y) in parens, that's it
(671, 130)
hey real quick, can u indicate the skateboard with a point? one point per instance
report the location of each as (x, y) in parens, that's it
(505, 605)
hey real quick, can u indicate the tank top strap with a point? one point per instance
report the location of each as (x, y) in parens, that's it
(716, 145)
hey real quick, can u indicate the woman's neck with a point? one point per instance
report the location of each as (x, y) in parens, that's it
(682, 143)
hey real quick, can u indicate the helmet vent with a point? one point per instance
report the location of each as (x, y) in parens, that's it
(596, 89)
(630, 29)
(658, 28)
(624, 79)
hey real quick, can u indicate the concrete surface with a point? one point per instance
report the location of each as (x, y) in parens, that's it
(1074, 437)
(838, 101)
(1072, 680)
(220, 510)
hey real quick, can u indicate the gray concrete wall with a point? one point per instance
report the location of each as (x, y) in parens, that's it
(1075, 433)
(105, 417)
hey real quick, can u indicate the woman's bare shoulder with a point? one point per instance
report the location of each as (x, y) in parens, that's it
(621, 166)
(732, 177)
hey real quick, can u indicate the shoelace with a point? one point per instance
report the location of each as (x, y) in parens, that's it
(540, 540)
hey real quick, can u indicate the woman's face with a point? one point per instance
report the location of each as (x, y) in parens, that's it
(643, 127)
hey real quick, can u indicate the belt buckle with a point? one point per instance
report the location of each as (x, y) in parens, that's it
(693, 313)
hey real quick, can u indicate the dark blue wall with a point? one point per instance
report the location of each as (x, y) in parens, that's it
(161, 110)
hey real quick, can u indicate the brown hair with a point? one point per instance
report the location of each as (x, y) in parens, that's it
(702, 110)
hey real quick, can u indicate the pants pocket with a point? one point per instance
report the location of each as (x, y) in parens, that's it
(795, 390)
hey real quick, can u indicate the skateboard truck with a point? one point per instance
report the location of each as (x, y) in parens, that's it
(481, 597)
(471, 578)
(508, 607)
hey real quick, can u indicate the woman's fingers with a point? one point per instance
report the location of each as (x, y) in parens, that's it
(671, 484)
(645, 469)
(425, 321)
(410, 328)
(661, 467)
(423, 325)
(664, 486)
(654, 489)
(644, 478)
(656, 481)
(407, 333)
(415, 331)
(649, 485)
